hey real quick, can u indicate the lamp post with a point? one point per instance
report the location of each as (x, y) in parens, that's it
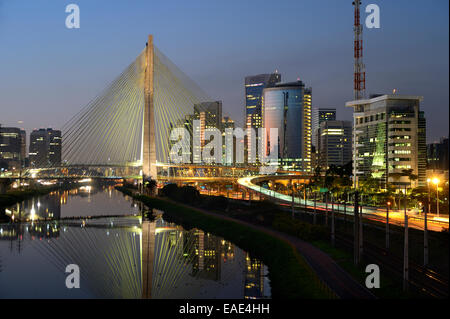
(436, 182)
(293, 193)
(406, 250)
(387, 224)
(315, 212)
(332, 220)
(425, 228)
(326, 208)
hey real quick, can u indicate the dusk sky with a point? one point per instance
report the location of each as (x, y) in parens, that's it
(48, 72)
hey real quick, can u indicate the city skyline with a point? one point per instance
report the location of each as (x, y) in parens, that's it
(224, 150)
(63, 52)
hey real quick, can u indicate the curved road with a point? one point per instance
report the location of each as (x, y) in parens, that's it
(379, 214)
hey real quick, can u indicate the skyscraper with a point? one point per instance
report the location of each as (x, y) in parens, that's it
(11, 156)
(45, 148)
(335, 143)
(54, 147)
(320, 115)
(210, 116)
(254, 86)
(437, 155)
(228, 123)
(287, 107)
(389, 140)
(23, 147)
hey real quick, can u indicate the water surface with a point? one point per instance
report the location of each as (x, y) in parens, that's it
(119, 256)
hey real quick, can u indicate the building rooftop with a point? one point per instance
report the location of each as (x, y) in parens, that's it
(287, 84)
(384, 97)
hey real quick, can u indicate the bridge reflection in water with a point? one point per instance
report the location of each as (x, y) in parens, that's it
(125, 257)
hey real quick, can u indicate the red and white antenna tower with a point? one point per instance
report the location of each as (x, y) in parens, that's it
(360, 74)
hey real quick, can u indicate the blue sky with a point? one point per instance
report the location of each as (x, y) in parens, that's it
(49, 72)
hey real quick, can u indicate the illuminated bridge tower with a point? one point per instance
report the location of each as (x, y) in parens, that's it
(147, 257)
(148, 140)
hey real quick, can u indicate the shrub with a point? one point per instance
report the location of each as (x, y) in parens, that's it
(300, 229)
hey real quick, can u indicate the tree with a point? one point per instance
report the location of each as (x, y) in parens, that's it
(150, 186)
(411, 176)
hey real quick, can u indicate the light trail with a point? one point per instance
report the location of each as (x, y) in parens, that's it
(379, 214)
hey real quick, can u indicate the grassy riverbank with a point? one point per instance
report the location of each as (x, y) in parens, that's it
(271, 216)
(289, 274)
(16, 196)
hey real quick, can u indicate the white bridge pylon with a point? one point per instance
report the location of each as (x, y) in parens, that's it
(116, 128)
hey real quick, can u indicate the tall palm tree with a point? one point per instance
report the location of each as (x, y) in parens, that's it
(150, 185)
(411, 176)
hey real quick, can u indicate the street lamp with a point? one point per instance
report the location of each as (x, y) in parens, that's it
(436, 182)
(387, 224)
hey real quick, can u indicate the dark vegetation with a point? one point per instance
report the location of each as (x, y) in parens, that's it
(289, 274)
(269, 215)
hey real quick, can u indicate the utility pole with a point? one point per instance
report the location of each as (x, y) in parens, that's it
(425, 241)
(356, 230)
(304, 198)
(405, 252)
(387, 225)
(315, 212)
(345, 213)
(332, 221)
(360, 232)
(292, 202)
(326, 209)
(437, 198)
(332, 202)
(425, 228)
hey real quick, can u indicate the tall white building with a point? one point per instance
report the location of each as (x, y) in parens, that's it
(389, 140)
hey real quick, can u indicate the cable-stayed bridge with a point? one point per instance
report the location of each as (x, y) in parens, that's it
(125, 130)
(127, 126)
(129, 123)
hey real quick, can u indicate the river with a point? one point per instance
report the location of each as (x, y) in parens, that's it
(102, 232)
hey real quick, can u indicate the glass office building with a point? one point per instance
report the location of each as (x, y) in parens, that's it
(287, 106)
(335, 143)
(11, 145)
(389, 140)
(254, 86)
(45, 148)
(320, 115)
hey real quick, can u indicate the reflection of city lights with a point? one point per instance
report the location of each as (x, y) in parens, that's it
(86, 180)
(86, 188)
